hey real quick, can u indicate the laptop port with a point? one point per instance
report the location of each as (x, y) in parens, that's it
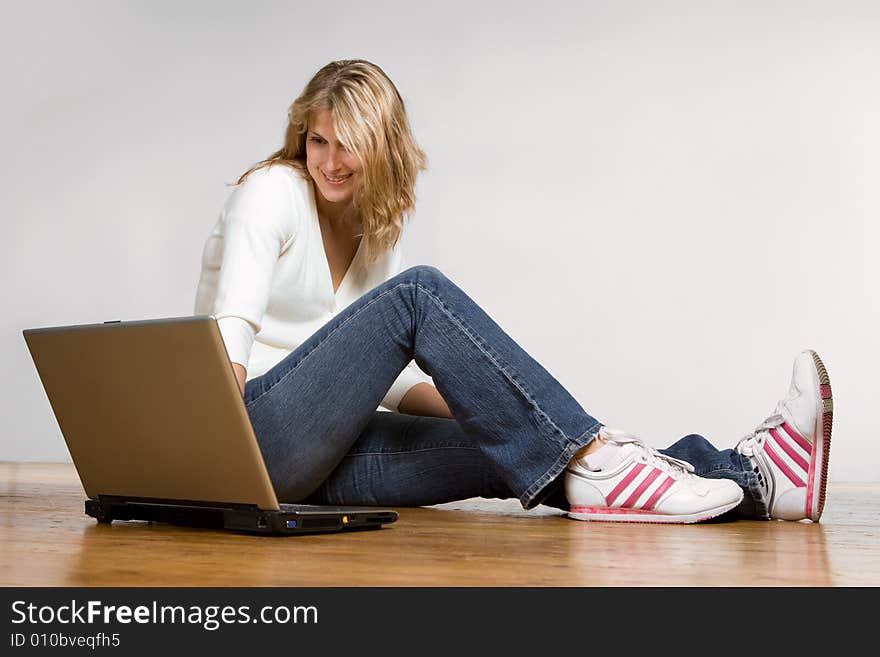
(291, 524)
(261, 522)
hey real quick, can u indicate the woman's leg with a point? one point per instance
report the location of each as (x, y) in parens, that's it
(712, 463)
(408, 460)
(782, 465)
(310, 409)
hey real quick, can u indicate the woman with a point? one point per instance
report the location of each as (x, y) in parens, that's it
(303, 273)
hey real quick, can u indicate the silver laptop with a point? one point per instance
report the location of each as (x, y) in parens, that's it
(157, 429)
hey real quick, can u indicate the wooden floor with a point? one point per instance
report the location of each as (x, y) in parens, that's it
(46, 540)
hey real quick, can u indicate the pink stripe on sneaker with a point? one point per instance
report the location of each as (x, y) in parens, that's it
(610, 511)
(627, 480)
(825, 391)
(798, 438)
(657, 493)
(637, 493)
(781, 465)
(797, 458)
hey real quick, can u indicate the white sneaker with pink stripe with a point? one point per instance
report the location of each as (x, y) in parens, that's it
(639, 484)
(790, 449)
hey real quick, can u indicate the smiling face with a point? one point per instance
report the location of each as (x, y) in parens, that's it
(335, 170)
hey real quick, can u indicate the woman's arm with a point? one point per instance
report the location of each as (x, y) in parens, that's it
(424, 399)
(240, 376)
(241, 256)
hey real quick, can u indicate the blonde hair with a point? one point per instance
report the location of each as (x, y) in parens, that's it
(370, 121)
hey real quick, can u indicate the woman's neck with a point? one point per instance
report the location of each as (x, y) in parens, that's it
(339, 216)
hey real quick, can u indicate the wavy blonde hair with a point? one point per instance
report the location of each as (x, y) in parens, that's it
(370, 120)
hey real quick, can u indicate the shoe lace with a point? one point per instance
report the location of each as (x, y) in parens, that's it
(753, 443)
(666, 463)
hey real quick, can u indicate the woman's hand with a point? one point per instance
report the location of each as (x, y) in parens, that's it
(424, 399)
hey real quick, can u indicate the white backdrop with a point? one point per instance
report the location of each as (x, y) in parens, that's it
(662, 202)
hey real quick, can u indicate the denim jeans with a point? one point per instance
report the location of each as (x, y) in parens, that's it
(515, 428)
(712, 463)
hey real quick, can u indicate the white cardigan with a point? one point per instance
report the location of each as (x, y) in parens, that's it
(266, 279)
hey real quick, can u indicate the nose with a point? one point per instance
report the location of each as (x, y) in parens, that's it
(334, 159)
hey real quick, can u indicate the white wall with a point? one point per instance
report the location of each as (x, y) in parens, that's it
(663, 202)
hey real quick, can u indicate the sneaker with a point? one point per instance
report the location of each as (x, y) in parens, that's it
(639, 484)
(789, 450)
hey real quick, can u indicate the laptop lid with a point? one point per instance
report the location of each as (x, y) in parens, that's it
(151, 409)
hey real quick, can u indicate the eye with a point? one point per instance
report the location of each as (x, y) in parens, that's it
(316, 140)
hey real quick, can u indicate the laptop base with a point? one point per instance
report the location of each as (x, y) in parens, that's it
(289, 520)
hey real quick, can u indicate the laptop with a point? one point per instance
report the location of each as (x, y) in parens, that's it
(158, 431)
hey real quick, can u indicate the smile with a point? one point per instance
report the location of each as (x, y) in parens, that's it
(337, 180)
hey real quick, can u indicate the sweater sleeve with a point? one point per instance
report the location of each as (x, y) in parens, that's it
(411, 374)
(259, 220)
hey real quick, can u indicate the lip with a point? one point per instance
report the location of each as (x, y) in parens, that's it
(335, 183)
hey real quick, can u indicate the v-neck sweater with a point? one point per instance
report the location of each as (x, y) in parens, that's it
(266, 279)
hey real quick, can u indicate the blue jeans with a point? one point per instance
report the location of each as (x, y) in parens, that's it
(515, 428)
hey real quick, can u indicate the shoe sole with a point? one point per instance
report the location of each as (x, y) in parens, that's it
(610, 514)
(815, 502)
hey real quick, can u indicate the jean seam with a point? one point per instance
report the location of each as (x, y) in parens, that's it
(326, 337)
(476, 339)
(414, 451)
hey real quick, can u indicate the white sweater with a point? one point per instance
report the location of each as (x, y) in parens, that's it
(266, 279)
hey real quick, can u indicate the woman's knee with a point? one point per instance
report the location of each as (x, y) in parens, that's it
(425, 274)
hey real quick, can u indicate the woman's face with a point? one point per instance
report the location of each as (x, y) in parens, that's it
(335, 170)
